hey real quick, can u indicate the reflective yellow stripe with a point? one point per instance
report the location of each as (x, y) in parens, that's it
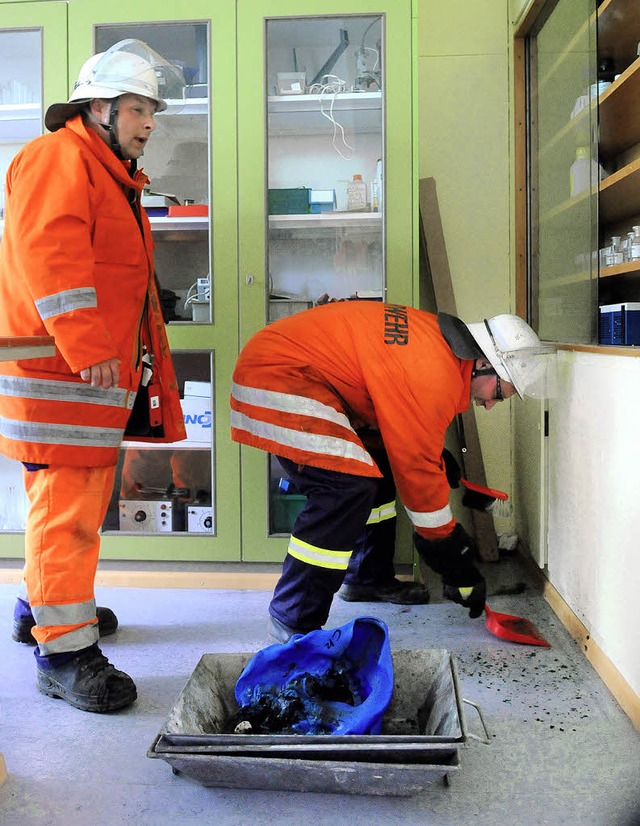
(382, 513)
(431, 519)
(320, 557)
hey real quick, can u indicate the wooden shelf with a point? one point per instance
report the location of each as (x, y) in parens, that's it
(619, 107)
(620, 194)
(564, 213)
(630, 268)
(576, 132)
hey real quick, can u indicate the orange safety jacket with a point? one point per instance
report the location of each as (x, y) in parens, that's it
(76, 265)
(304, 385)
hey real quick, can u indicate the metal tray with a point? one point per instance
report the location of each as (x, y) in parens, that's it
(422, 731)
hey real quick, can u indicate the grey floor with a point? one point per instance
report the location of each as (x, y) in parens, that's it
(561, 750)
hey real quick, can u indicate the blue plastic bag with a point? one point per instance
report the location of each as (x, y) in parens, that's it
(334, 681)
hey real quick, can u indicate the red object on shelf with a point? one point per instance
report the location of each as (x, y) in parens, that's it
(189, 211)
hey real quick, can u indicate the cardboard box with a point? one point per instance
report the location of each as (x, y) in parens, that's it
(201, 389)
(198, 418)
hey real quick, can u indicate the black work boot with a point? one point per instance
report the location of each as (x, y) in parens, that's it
(396, 591)
(85, 679)
(23, 622)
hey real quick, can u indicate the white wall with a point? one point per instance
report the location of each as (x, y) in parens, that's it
(594, 500)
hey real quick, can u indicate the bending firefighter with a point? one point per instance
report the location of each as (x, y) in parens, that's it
(76, 263)
(305, 387)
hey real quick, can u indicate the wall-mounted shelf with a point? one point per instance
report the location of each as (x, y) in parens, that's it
(620, 194)
(303, 114)
(328, 220)
(619, 107)
(20, 122)
(162, 224)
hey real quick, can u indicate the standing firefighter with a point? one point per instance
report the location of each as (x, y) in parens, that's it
(76, 263)
(305, 387)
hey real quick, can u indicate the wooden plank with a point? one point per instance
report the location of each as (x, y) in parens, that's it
(434, 252)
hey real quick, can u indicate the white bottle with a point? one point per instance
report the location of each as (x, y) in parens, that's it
(634, 249)
(357, 195)
(584, 172)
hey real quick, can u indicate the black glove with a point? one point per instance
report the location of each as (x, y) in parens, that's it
(453, 558)
(451, 468)
(478, 501)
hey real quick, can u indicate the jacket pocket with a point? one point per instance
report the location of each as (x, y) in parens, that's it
(117, 240)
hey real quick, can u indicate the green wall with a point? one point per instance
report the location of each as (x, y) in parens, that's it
(464, 137)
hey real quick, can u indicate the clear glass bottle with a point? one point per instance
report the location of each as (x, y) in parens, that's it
(616, 256)
(634, 239)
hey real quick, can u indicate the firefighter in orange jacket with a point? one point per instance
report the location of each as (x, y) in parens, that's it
(304, 387)
(76, 262)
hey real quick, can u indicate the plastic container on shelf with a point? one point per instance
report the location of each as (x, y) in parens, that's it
(584, 172)
(357, 195)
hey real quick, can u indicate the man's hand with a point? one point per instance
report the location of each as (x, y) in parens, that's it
(452, 468)
(453, 558)
(104, 374)
(472, 597)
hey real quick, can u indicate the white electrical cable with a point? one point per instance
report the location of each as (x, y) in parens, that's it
(333, 85)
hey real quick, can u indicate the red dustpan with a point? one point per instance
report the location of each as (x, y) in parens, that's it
(514, 629)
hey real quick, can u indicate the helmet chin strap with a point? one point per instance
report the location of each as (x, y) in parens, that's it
(110, 127)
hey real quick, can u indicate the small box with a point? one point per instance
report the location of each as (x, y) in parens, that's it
(198, 418)
(620, 323)
(189, 211)
(200, 389)
(291, 83)
(322, 200)
(200, 310)
(289, 201)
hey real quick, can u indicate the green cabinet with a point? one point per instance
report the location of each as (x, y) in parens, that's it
(282, 111)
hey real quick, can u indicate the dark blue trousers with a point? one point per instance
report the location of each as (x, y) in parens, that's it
(333, 518)
(372, 559)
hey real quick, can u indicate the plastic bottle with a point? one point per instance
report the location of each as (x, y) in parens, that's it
(357, 195)
(584, 172)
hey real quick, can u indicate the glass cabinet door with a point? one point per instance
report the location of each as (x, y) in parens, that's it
(326, 188)
(564, 173)
(175, 490)
(29, 81)
(325, 148)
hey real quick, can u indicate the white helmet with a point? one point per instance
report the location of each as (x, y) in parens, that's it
(515, 353)
(129, 66)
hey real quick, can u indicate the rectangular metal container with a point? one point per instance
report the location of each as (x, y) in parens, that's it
(423, 729)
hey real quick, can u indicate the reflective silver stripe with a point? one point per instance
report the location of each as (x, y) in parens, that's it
(61, 434)
(65, 391)
(311, 442)
(79, 299)
(287, 403)
(382, 513)
(430, 519)
(320, 557)
(73, 641)
(72, 614)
